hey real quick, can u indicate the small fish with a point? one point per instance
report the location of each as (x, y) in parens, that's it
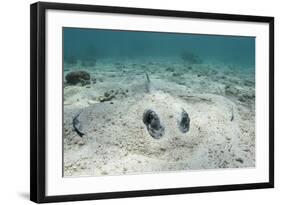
(76, 125)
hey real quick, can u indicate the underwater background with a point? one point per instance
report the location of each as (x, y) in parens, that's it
(94, 44)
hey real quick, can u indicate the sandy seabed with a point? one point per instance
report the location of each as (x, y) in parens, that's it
(219, 99)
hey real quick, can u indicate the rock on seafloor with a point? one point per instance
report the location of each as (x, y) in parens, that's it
(76, 77)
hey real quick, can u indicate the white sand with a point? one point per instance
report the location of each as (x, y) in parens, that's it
(117, 141)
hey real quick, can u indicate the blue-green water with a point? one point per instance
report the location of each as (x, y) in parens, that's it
(96, 44)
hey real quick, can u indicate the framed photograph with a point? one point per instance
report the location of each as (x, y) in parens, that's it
(129, 102)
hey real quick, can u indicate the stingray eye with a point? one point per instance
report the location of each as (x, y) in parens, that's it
(153, 124)
(183, 121)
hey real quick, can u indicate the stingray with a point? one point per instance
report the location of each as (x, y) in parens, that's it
(165, 110)
(160, 126)
(152, 114)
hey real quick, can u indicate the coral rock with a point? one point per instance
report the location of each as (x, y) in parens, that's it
(76, 77)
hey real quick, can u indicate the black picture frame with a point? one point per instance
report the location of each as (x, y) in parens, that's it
(38, 101)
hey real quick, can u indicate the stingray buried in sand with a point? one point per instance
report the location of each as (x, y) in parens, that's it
(157, 113)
